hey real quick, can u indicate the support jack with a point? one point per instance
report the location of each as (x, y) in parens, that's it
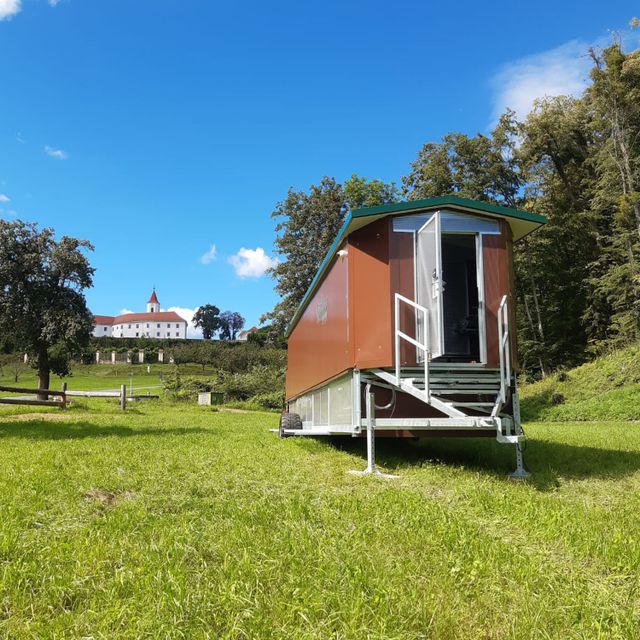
(371, 440)
(520, 473)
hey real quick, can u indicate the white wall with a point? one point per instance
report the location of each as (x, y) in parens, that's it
(144, 329)
(102, 331)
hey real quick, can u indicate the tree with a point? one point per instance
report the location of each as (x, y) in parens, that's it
(231, 322)
(208, 319)
(42, 306)
(481, 167)
(360, 192)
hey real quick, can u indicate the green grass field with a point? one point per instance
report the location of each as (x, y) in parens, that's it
(172, 521)
(103, 377)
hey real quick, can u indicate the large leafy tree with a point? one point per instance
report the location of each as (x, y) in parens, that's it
(360, 192)
(614, 102)
(479, 167)
(231, 323)
(553, 264)
(42, 305)
(207, 318)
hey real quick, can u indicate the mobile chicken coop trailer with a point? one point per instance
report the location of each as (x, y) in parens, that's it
(406, 329)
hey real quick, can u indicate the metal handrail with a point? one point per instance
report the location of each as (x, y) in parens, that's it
(504, 348)
(400, 335)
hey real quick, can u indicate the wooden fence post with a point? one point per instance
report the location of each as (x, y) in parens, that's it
(123, 396)
(64, 395)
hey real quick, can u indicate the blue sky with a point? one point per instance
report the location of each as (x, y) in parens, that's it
(159, 129)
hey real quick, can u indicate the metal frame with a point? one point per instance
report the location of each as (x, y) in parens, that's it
(504, 350)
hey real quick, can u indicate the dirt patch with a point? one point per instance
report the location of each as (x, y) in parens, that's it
(108, 498)
(230, 410)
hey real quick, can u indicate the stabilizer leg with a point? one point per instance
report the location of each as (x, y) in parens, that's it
(520, 473)
(371, 439)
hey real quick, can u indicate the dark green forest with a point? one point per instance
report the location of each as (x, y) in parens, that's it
(574, 160)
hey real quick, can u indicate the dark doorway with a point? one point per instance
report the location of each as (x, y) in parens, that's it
(460, 298)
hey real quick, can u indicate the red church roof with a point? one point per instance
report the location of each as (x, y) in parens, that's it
(153, 298)
(160, 316)
(164, 316)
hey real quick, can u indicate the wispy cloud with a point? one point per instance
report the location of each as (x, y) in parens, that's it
(560, 71)
(20, 138)
(251, 263)
(4, 198)
(9, 8)
(125, 311)
(53, 3)
(58, 154)
(209, 256)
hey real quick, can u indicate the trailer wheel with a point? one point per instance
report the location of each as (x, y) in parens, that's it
(289, 421)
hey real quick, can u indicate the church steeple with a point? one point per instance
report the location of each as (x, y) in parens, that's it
(153, 305)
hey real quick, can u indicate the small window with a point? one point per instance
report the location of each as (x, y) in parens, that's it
(158, 326)
(168, 325)
(137, 326)
(158, 334)
(147, 325)
(129, 326)
(137, 334)
(105, 328)
(168, 334)
(177, 326)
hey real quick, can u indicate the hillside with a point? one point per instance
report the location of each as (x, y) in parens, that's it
(606, 389)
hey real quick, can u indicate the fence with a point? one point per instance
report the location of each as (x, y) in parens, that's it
(63, 395)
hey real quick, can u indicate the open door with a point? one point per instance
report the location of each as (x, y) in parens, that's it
(429, 283)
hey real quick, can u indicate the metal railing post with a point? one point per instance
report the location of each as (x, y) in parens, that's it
(397, 337)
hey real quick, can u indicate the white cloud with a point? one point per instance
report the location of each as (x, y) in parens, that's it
(58, 154)
(53, 3)
(209, 256)
(9, 8)
(4, 198)
(560, 71)
(187, 314)
(251, 263)
(125, 311)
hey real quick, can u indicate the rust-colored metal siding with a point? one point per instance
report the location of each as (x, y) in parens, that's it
(496, 284)
(319, 344)
(370, 287)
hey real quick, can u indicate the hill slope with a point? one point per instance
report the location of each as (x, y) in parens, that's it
(606, 389)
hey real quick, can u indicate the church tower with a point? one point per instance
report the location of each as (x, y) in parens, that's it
(153, 306)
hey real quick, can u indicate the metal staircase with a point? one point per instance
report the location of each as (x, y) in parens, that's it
(460, 392)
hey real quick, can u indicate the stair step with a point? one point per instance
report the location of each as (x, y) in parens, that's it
(454, 392)
(472, 404)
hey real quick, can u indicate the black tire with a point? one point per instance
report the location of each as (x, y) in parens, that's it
(289, 421)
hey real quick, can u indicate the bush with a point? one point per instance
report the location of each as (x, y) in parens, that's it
(271, 400)
(259, 380)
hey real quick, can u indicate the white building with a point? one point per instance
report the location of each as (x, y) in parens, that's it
(152, 324)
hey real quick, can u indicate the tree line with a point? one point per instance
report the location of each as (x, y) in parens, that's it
(574, 160)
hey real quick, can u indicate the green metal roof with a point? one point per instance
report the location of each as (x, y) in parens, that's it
(521, 222)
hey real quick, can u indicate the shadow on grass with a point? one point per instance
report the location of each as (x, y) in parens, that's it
(548, 462)
(36, 430)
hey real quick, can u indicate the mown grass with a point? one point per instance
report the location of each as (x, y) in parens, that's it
(179, 522)
(101, 377)
(606, 389)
